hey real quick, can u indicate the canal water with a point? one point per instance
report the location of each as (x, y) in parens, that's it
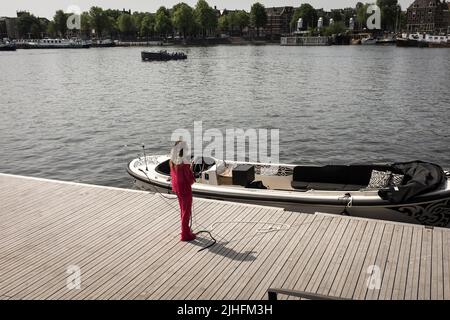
(81, 115)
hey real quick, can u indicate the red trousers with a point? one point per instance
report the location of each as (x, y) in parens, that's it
(182, 179)
(185, 201)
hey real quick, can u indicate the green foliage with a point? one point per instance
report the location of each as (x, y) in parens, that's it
(60, 21)
(336, 28)
(99, 20)
(183, 19)
(308, 14)
(361, 14)
(205, 17)
(258, 16)
(224, 23)
(86, 25)
(242, 19)
(390, 11)
(148, 25)
(28, 25)
(126, 24)
(163, 23)
(51, 29)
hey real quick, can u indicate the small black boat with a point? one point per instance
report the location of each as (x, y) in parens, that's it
(162, 56)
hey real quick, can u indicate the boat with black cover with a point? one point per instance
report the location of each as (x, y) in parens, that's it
(413, 192)
(162, 56)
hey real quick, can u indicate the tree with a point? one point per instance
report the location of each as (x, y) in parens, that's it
(224, 23)
(183, 19)
(147, 25)
(25, 23)
(205, 17)
(336, 15)
(243, 20)
(308, 14)
(163, 23)
(99, 20)
(51, 29)
(361, 14)
(258, 16)
(336, 28)
(60, 20)
(86, 26)
(138, 17)
(126, 25)
(389, 14)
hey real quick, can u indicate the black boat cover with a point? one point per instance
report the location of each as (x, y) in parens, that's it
(419, 178)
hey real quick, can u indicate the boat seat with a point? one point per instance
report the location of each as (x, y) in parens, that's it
(299, 185)
(326, 186)
(333, 177)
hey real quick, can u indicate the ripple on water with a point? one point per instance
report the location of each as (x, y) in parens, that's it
(82, 115)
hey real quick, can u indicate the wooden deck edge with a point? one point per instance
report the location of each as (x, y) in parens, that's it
(135, 191)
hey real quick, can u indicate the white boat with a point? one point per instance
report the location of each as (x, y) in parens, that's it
(56, 44)
(369, 41)
(330, 189)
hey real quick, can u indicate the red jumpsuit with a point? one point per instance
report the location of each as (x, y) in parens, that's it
(182, 180)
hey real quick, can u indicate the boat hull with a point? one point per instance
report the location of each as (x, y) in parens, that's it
(431, 210)
(433, 213)
(162, 56)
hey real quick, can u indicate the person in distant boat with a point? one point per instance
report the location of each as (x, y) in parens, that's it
(182, 180)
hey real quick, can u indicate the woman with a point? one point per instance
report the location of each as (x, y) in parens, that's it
(182, 180)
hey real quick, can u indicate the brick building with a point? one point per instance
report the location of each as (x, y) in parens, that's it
(428, 16)
(8, 28)
(278, 21)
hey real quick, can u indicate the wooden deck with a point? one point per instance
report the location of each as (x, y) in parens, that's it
(126, 244)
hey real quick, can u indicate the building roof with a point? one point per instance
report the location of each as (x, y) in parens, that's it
(425, 3)
(273, 11)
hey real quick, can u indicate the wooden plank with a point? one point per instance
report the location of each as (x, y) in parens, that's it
(425, 265)
(446, 263)
(381, 260)
(412, 281)
(341, 277)
(61, 212)
(240, 273)
(338, 256)
(54, 276)
(160, 268)
(260, 280)
(199, 278)
(437, 274)
(390, 270)
(92, 266)
(317, 266)
(302, 260)
(47, 225)
(369, 260)
(312, 226)
(45, 233)
(355, 269)
(99, 288)
(399, 289)
(60, 250)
